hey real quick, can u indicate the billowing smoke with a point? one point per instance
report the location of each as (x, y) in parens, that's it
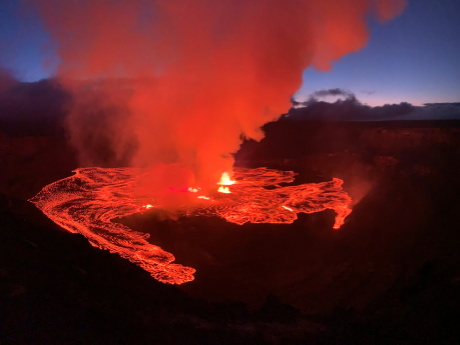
(183, 81)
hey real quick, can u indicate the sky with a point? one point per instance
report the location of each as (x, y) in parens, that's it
(25, 48)
(414, 58)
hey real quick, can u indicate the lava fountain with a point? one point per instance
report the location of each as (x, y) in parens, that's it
(86, 203)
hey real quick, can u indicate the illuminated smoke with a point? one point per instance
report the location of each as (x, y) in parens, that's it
(182, 81)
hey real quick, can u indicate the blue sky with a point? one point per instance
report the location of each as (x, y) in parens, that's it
(24, 46)
(414, 58)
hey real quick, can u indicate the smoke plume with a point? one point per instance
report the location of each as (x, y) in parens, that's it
(183, 81)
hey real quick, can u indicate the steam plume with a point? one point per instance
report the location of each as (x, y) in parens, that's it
(181, 81)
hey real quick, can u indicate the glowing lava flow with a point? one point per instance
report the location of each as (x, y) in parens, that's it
(251, 201)
(225, 181)
(86, 202)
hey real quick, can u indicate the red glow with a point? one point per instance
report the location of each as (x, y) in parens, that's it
(86, 202)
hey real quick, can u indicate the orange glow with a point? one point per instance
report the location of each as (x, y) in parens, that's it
(225, 180)
(193, 190)
(224, 190)
(86, 203)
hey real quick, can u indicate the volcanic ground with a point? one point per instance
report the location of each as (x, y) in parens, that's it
(390, 274)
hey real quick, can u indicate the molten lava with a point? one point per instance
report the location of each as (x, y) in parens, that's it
(223, 189)
(225, 180)
(86, 203)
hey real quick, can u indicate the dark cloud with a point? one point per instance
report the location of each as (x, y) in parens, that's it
(313, 98)
(349, 109)
(332, 92)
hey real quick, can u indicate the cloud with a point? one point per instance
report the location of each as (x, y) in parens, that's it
(350, 109)
(314, 97)
(332, 92)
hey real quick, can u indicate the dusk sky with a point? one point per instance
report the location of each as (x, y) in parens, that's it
(413, 58)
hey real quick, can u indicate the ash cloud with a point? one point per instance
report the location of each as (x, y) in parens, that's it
(199, 75)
